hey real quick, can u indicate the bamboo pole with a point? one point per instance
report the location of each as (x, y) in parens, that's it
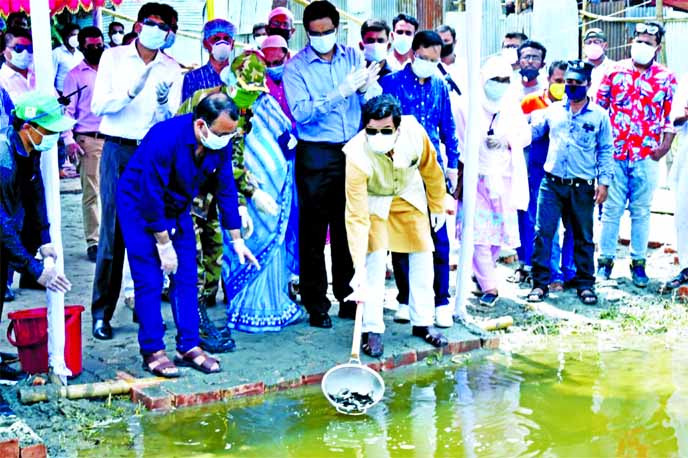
(33, 394)
(632, 20)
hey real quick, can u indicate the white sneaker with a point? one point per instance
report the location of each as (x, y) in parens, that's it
(444, 316)
(391, 305)
(402, 315)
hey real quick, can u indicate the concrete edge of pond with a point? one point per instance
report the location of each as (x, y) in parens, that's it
(179, 393)
(17, 439)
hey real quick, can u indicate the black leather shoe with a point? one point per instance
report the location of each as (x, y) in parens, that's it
(102, 330)
(92, 253)
(320, 320)
(9, 295)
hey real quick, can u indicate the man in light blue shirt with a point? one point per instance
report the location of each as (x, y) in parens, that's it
(324, 85)
(580, 153)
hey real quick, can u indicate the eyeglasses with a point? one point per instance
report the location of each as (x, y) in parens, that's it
(321, 34)
(650, 29)
(383, 131)
(161, 25)
(275, 63)
(404, 32)
(22, 48)
(279, 24)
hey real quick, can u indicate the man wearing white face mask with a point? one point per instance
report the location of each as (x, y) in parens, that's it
(375, 44)
(16, 75)
(218, 40)
(423, 93)
(325, 84)
(155, 192)
(393, 183)
(638, 93)
(67, 56)
(404, 28)
(595, 50)
(136, 87)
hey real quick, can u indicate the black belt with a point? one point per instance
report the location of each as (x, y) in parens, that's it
(122, 141)
(568, 181)
(95, 135)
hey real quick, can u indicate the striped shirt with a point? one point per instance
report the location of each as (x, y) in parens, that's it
(203, 77)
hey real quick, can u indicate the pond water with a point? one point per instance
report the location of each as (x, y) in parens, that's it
(558, 397)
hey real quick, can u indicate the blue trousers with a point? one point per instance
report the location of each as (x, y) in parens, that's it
(148, 281)
(440, 257)
(562, 265)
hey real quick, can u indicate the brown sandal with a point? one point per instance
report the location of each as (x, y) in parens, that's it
(159, 364)
(199, 360)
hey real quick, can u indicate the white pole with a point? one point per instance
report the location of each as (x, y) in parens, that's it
(474, 14)
(45, 74)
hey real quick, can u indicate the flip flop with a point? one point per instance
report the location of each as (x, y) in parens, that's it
(587, 296)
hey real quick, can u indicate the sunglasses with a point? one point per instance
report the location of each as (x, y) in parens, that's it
(321, 34)
(383, 131)
(161, 25)
(650, 29)
(22, 48)
(404, 32)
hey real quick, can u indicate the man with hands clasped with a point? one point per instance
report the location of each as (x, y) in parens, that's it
(393, 179)
(136, 87)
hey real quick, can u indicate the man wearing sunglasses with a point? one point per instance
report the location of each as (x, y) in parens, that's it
(638, 93)
(394, 189)
(136, 87)
(325, 84)
(38, 121)
(17, 76)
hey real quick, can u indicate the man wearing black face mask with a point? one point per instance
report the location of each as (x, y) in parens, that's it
(531, 59)
(281, 22)
(84, 143)
(578, 171)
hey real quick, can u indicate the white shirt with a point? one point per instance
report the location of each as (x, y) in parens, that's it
(119, 69)
(394, 64)
(63, 62)
(14, 83)
(597, 76)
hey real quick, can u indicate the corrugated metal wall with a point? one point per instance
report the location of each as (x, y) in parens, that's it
(617, 33)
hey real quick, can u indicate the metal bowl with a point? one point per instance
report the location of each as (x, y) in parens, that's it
(355, 378)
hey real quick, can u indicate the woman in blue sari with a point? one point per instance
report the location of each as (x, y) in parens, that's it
(259, 301)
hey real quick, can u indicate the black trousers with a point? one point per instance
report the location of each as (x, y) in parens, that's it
(110, 260)
(320, 171)
(572, 201)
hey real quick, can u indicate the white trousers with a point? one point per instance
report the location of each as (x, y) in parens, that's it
(681, 215)
(421, 294)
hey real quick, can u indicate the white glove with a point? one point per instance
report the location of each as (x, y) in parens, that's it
(437, 220)
(168, 257)
(495, 142)
(139, 84)
(358, 284)
(51, 279)
(264, 202)
(246, 222)
(244, 253)
(353, 82)
(48, 251)
(373, 75)
(162, 90)
(453, 177)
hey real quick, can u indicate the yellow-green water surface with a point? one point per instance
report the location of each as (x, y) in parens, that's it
(560, 397)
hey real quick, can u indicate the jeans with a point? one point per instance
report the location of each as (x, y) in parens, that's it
(562, 264)
(573, 203)
(634, 183)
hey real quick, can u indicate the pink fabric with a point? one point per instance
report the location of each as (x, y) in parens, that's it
(484, 266)
(277, 91)
(80, 77)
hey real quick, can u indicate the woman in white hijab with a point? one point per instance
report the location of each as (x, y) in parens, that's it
(503, 178)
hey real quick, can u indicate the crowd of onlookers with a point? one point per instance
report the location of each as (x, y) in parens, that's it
(361, 148)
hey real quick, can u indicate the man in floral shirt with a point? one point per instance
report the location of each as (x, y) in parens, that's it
(638, 93)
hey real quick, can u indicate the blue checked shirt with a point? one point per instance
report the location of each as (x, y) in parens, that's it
(580, 145)
(203, 77)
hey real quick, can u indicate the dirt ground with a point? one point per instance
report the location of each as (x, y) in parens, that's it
(298, 349)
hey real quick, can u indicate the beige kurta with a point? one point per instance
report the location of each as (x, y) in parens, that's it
(387, 197)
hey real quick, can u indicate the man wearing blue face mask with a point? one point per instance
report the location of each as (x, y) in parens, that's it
(325, 85)
(16, 75)
(578, 171)
(218, 40)
(155, 192)
(136, 87)
(423, 93)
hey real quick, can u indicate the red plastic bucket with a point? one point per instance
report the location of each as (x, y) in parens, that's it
(28, 331)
